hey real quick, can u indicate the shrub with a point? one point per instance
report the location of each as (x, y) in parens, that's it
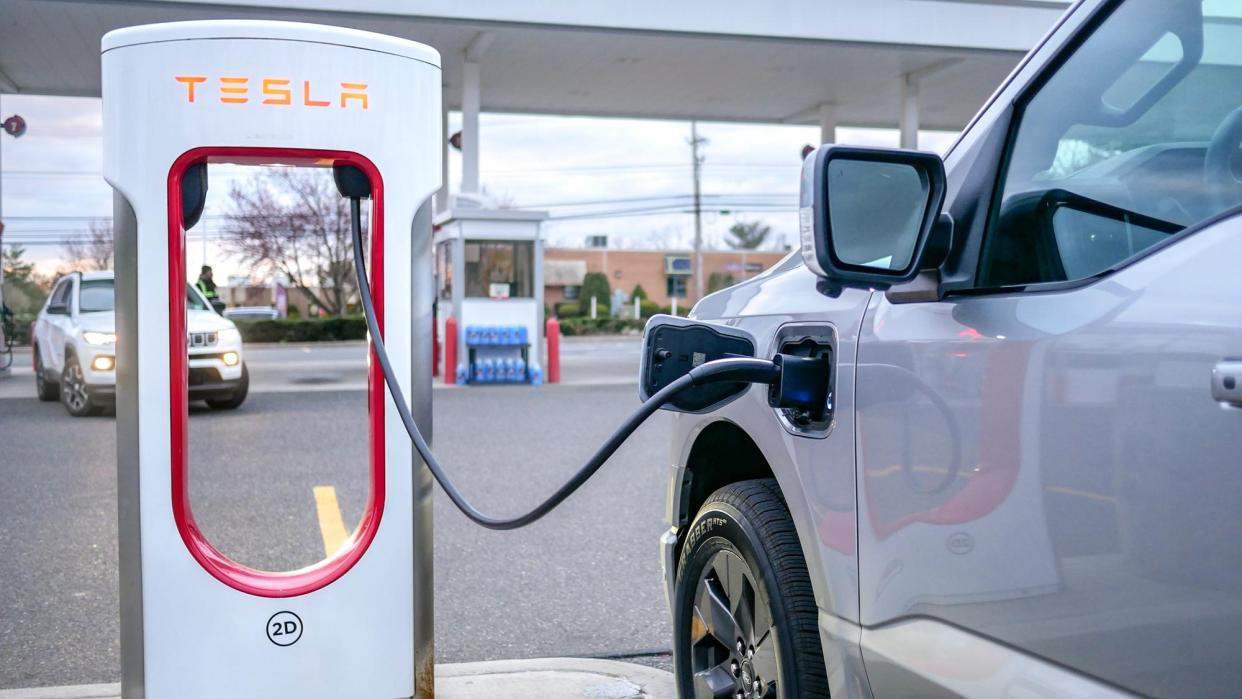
(307, 330)
(569, 309)
(719, 280)
(21, 329)
(595, 284)
(648, 308)
(639, 292)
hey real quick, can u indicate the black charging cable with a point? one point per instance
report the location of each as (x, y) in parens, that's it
(733, 370)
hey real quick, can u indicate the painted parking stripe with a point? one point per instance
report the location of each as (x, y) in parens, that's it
(331, 524)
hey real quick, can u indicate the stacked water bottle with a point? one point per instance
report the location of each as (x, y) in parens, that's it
(498, 354)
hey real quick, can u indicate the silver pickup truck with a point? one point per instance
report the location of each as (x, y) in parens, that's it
(1026, 478)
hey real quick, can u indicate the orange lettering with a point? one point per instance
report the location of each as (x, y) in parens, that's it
(234, 86)
(190, 82)
(275, 93)
(306, 98)
(361, 93)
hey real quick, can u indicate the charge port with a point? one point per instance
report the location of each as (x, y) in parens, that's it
(811, 342)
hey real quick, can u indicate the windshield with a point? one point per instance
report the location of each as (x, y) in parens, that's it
(194, 300)
(96, 296)
(99, 295)
(1133, 138)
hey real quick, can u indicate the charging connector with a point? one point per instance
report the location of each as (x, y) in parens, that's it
(801, 384)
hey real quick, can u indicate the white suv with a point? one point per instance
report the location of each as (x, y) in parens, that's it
(75, 341)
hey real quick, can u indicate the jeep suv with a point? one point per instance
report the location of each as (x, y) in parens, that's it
(1026, 479)
(75, 357)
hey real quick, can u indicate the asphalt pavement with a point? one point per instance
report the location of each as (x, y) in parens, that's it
(584, 581)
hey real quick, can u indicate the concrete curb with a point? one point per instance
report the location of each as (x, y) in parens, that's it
(538, 678)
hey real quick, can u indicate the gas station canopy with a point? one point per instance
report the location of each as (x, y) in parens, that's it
(795, 61)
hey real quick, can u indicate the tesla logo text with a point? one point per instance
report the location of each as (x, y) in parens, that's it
(273, 91)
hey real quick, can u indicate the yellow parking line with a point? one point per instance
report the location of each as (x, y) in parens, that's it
(1063, 490)
(331, 524)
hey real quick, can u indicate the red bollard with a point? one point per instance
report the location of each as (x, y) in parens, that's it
(450, 350)
(554, 350)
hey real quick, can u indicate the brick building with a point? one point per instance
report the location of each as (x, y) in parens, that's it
(663, 274)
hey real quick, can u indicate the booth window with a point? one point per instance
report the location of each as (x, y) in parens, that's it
(500, 269)
(676, 287)
(572, 293)
(444, 269)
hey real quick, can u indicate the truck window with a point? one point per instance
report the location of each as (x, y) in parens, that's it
(1133, 138)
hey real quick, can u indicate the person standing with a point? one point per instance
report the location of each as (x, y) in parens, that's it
(207, 286)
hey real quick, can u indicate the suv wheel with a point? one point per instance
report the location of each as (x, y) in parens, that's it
(236, 398)
(745, 622)
(46, 390)
(73, 389)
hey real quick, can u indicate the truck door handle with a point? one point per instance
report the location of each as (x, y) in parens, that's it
(1227, 382)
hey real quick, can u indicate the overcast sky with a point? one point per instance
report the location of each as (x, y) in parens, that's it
(584, 171)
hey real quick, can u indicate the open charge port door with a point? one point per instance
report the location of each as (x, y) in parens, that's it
(812, 341)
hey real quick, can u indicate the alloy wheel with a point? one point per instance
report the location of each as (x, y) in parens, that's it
(732, 637)
(74, 388)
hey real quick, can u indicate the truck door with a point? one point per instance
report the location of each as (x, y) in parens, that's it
(1048, 458)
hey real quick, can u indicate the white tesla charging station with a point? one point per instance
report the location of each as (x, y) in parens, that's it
(177, 96)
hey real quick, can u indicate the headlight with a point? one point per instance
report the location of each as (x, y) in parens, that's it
(230, 358)
(229, 335)
(103, 363)
(96, 338)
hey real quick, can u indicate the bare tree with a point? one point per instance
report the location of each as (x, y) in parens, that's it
(94, 252)
(294, 221)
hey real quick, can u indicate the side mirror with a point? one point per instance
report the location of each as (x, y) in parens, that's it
(865, 214)
(672, 346)
(58, 309)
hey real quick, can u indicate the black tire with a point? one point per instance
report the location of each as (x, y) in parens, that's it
(236, 398)
(742, 571)
(73, 393)
(47, 391)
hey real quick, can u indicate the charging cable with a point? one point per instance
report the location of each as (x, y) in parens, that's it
(734, 370)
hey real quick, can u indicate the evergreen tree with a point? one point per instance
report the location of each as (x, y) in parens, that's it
(748, 236)
(595, 284)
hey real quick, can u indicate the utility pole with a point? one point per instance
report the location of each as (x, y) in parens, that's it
(695, 142)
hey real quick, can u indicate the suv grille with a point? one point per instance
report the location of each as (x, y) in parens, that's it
(202, 339)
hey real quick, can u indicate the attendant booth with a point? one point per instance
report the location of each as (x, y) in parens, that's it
(489, 279)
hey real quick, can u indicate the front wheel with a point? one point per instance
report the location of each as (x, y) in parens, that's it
(236, 398)
(745, 621)
(73, 393)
